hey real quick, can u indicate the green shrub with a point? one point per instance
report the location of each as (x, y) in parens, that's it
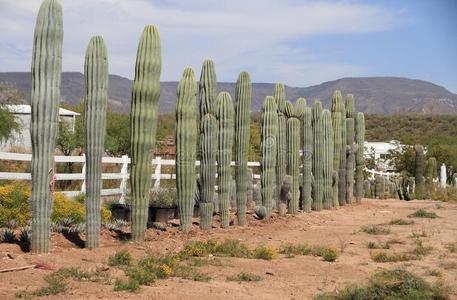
(401, 222)
(383, 257)
(163, 198)
(121, 258)
(327, 253)
(264, 252)
(390, 284)
(130, 285)
(422, 213)
(244, 276)
(376, 229)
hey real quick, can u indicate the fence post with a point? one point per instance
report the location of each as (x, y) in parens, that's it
(83, 171)
(124, 172)
(158, 172)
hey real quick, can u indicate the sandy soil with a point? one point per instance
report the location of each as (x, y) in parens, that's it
(300, 277)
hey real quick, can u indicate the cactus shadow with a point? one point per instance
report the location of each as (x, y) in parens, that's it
(74, 238)
(122, 235)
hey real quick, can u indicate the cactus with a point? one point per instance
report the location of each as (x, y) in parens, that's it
(268, 149)
(225, 117)
(249, 188)
(243, 97)
(45, 98)
(293, 155)
(327, 160)
(337, 146)
(430, 172)
(96, 76)
(367, 188)
(281, 143)
(340, 144)
(308, 148)
(318, 172)
(454, 180)
(419, 167)
(208, 143)
(351, 148)
(143, 124)
(186, 135)
(360, 159)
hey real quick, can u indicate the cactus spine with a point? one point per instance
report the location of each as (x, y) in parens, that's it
(308, 148)
(340, 145)
(281, 146)
(419, 166)
(327, 160)
(143, 124)
(243, 97)
(293, 155)
(96, 76)
(268, 148)
(208, 143)
(225, 118)
(360, 160)
(45, 98)
(318, 132)
(186, 135)
(350, 147)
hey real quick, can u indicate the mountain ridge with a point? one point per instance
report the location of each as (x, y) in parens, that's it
(383, 94)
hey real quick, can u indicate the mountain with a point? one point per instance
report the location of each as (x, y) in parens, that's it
(383, 95)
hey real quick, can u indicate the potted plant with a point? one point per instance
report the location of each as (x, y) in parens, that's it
(162, 204)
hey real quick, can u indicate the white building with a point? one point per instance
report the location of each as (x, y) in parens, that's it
(380, 152)
(22, 114)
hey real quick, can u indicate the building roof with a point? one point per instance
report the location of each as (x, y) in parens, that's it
(25, 109)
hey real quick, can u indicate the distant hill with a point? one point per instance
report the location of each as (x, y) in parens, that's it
(383, 95)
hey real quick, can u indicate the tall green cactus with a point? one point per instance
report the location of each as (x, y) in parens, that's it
(293, 155)
(419, 166)
(143, 124)
(281, 143)
(340, 144)
(96, 77)
(45, 98)
(208, 142)
(318, 153)
(186, 135)
(431, 172)
(337, 146)
(327, 159)
(243, 97)
(351, 148)
(225, 115)
(268, 149)
(308, 148)
(360, 159)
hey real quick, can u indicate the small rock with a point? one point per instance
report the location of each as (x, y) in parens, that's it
(270, 273)
(11, 256)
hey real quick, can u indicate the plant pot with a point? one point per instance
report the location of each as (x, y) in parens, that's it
(160, 214)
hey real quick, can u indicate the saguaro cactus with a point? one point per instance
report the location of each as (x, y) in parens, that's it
(419, 167)
(243, 97)
(351, 148)
(281, 146)
(208, 143)
(186, 135)
(96, 76)
(225, 119)
(45, 98)
(143, 124)
(318, 167)
(268, 148)
(293, 155)
(337, 145)
(431, 172)
(308, 148)
(327, 159)
(340, 144)
(360, 159)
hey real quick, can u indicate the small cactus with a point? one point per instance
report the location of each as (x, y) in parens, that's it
(419, 168)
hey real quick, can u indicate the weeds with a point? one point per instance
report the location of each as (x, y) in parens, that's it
(376, 229)
(448, 265)
(121, 258)
(383, 257)
(327, 253)
(244, 276)
(422, 213)
(265, 253)
(130, 285)
(401, 222)
(373, 245)
(390, 284)
(452, 247)
(421, 250)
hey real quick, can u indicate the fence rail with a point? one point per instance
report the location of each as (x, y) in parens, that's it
(123, 175)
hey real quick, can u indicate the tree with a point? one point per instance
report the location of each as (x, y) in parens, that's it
(8, 95)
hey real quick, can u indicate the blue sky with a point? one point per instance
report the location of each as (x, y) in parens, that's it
(300, 43)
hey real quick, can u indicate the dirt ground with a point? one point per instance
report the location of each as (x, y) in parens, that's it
(300, 277)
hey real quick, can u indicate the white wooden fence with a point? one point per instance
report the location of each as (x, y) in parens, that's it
(123, 175)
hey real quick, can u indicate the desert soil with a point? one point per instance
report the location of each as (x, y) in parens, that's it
(300, 277)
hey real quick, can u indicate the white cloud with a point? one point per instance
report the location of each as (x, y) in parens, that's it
(239, 35)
